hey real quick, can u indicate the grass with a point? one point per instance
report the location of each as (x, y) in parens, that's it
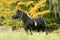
(23, 36)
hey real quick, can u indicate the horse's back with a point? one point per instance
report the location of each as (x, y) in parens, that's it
(39, 20)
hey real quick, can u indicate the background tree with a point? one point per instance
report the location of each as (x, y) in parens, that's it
(54, 7)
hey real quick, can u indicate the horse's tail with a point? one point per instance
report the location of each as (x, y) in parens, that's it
(46, 28)
(45, 25)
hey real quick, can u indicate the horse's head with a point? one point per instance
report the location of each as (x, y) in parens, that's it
(18, 14)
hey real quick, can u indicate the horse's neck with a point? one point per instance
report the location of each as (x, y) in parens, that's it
(25, 17)
(29, 16)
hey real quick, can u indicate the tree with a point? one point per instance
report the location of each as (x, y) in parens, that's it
(54, 7)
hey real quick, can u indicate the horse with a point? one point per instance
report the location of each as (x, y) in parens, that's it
(30, 24)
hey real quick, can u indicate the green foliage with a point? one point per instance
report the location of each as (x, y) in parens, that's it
(36, 0)
(43, 8)
(12, 6)
(51, 22)
(24, 7)
(8, 8)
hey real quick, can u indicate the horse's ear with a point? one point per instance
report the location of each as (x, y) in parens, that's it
(17, 10)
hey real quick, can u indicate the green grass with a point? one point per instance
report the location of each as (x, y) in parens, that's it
(23, 36)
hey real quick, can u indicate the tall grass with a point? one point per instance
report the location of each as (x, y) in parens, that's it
(23, 36)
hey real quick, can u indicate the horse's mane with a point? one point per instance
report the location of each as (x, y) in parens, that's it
(26, 13)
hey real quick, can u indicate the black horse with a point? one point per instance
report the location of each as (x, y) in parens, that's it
(31, 23)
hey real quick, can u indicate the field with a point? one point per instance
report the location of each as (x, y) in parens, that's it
(23, 36)
(49, 10)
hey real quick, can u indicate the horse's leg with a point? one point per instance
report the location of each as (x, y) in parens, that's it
(30, 30)
(45, 29)
(26, 29)
(38, 30)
